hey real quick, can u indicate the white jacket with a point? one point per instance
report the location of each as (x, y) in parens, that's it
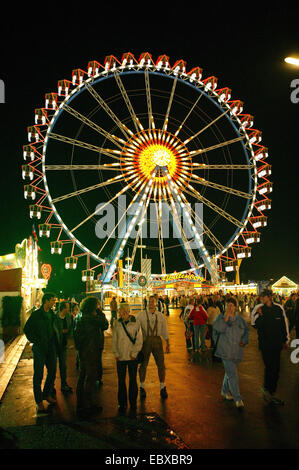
(122, 346)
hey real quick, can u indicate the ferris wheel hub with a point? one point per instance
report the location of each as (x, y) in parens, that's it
(155, 149)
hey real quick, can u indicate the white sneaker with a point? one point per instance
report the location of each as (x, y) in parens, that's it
(227, 396)
(239, 404)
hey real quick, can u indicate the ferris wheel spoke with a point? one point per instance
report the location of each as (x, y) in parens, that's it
(116, 179)
(160, 236)
(206, 229)
(206, 127)
(203, 166)
(120, 220)
(191, 110)
(193, 192)
(194, 153)
(164, 128)
(118, 249)
(108, 166)
(108, 110)
(176, 218)
(220, 187)
(151, 123)
(85, 145)
(93, 125)
(96, 211)
(123, 91)
(140, 224)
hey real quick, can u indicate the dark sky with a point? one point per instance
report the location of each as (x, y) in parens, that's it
(245, 48)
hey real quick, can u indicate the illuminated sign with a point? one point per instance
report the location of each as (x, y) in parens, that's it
(181, 277)
(46, 270)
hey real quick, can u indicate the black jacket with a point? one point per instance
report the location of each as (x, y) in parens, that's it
(271, 327)
(39, 329)
(89, 332)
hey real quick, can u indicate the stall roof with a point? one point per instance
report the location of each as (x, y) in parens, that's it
(285, 282)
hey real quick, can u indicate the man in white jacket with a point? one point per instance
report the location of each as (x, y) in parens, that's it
(126, 343)
(154, 327)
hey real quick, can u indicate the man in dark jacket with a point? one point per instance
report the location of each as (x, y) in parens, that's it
(88, 336)
(63, 330)
(273, 334)
(39, 331)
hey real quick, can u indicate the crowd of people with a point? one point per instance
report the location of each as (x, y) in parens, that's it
(215, 322)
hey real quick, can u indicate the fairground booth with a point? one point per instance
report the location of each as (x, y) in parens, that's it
(20, 285)
(284, 286)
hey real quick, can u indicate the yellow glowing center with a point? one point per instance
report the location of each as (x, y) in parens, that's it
(157, 155)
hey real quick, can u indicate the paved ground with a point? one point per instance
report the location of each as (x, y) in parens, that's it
(194, 416)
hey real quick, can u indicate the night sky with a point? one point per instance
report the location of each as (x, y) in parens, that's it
(244, 48)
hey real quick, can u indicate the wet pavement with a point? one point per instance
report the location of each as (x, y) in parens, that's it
(194, 416)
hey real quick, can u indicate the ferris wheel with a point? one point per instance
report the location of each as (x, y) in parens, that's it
(164, 142)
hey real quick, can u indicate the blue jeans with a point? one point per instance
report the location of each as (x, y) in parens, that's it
(231, 379)
(202, 333)
(41, 359)
(199, 332)
(196, 337)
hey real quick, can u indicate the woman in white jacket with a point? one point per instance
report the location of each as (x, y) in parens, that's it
(127, 341)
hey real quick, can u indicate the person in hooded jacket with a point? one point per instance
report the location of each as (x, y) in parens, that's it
(231, 335)
(88, 337)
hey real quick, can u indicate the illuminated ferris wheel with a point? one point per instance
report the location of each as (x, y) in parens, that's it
(166, 140)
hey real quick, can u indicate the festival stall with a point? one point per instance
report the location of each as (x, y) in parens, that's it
(284, 286)
(19, 277)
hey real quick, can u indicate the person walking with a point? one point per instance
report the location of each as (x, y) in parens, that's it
(154, 328)
(212, 312)
(199, 317)
(87, 337)
(271, 323)
(231, 334)
(167, 302)
(63, 329)
(290, 310)
(127, 341)
(189, 331)
(39, 331)
(159, 304)
(113, 310)
(183, 304)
